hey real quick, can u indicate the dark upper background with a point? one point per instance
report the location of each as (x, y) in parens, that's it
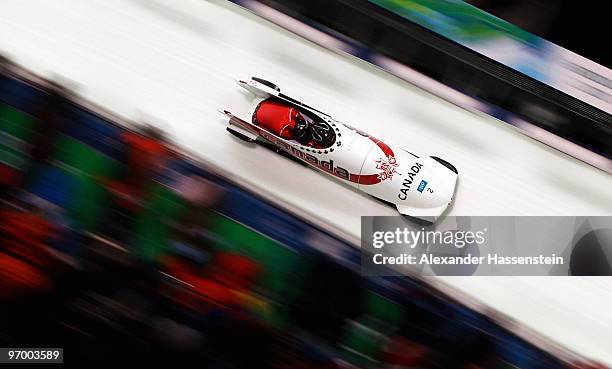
(580, 26)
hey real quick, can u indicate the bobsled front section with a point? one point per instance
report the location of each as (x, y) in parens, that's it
(419, 186)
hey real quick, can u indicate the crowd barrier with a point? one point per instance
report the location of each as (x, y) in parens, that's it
(454, 72)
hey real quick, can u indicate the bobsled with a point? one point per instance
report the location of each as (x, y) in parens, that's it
(418, 186)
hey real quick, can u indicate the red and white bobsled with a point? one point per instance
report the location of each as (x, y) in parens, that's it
(419, 186)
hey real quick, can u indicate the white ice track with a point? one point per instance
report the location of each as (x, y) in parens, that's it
(176, 60)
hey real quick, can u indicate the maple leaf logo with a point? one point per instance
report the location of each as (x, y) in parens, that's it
(387, 167)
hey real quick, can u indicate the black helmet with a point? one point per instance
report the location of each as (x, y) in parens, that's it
(322, 134)
(301, 130)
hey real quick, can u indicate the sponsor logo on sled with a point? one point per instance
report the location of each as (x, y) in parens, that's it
(422, 185)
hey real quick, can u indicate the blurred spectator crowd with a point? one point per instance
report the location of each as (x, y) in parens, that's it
(119, 249)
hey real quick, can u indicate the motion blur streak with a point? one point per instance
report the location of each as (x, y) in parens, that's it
(176, 61)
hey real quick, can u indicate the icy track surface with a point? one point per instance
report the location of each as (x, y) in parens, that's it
(176, 61)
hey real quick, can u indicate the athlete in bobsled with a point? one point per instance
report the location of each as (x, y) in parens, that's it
(289, 123)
